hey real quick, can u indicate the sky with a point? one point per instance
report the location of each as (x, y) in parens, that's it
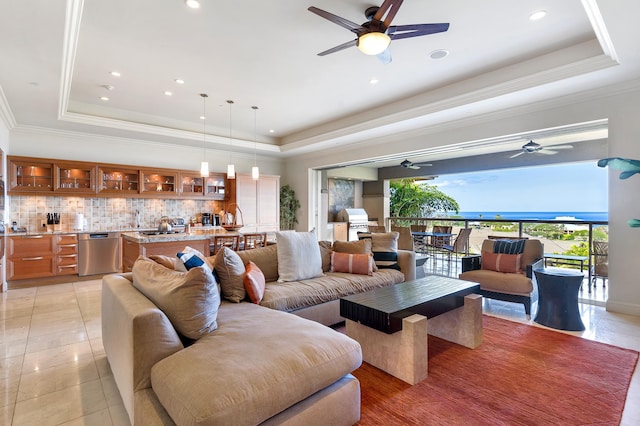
(580, 187)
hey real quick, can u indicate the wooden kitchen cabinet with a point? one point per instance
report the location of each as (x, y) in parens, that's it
(259, 202)
(193, 185)
(30, 176)
(118, 180)
(66, 254)
(30, 256)
(74, 178)
(159, 182)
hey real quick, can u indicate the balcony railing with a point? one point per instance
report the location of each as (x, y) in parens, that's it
(559, 234)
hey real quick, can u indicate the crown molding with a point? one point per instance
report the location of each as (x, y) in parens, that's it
(6, 115)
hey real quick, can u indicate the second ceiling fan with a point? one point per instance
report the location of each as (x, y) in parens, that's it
(375, 35)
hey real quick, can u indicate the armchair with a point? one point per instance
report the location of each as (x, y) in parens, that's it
(513, 286)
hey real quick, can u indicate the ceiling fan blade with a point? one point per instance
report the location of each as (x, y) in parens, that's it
(561, 147)
(385, 57)
(413, 167)
(392, 6)
(423, 164)
(343, 46)
(398, 32)
(547, 151)
(517, 155)
(344, 23)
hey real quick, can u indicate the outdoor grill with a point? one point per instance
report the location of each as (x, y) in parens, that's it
(357, 219)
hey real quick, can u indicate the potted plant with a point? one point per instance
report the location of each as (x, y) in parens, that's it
(289, 206)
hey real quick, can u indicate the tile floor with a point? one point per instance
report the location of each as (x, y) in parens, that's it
(53, 369)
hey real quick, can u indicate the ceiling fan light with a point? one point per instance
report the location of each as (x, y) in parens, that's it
(204, 169)
(373, 43)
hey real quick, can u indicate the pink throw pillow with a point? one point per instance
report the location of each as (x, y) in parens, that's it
(351, 263)
(254, 282)
(500, 262)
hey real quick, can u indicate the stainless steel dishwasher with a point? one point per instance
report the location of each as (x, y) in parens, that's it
(97, 253)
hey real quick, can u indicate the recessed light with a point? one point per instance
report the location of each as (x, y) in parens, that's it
(115, 73)
(193, 4)
(538, 15)
(104, 98)
(374, 81)
(179, 81)
(439, 54)
(202, 117)
(271, 131)
(168, 93)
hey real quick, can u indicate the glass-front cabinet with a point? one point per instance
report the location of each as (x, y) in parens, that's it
(191, 185)
(194, 185)
(118, 180)
(159, 182)
(74, 178)
(31, 176)
(215, 187)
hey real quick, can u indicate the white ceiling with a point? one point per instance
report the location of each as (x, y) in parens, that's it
(55, 59)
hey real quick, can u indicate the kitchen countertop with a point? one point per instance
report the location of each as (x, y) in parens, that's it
(195, 234)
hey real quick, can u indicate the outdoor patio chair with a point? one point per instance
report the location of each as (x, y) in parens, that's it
(438, 242)
(460, 246)
(600, 266)
(419, 242)
(405, 240)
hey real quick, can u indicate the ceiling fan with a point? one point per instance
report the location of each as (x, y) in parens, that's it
(414, 166)
(531, 147)
(375, 35)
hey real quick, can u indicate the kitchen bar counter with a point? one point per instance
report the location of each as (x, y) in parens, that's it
(135, 244)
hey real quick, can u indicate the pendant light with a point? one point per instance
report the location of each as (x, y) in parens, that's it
(255, 171)
(204, 165)
(231, 168)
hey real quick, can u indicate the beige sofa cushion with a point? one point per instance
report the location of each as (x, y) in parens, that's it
(296, 358)
(533, 250)
(266, 258)
(189, 299)
(230, 270)
(291, 296)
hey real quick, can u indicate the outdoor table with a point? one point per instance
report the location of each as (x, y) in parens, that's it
(558, 298)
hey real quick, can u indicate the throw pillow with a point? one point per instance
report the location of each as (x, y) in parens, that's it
(298, 256)
(384, 246)
(166, 261)
(189, 299)
(266, 258)
(361, 246)
(509, 246)
(361, 264)
(254, 283)
(192, 258)
(500, 262)
(325, 253)
(230, 271)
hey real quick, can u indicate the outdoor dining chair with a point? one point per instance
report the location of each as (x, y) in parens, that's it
(600, 262)
(460, 246)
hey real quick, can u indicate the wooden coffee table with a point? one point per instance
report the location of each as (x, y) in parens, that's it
(392, 323)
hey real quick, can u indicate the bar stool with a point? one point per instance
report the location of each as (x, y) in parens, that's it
(219, 241)
(254, 240)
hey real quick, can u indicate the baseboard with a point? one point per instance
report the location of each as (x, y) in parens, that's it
(623, 308)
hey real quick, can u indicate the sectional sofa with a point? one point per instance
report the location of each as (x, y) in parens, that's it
(246, 364)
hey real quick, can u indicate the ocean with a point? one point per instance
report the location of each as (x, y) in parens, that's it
(586, 216)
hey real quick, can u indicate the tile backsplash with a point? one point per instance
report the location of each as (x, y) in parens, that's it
(103, 214)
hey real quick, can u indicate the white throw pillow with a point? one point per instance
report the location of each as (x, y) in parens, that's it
(298, 256)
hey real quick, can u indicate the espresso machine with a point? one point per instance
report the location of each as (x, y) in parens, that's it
(206, 219)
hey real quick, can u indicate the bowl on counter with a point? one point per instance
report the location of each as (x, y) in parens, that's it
(232, 227)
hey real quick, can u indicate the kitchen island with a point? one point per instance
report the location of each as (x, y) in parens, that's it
(135, 244)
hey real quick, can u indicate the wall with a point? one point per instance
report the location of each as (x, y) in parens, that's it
(624, 291)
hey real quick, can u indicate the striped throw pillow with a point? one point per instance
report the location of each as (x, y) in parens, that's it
(351, 263)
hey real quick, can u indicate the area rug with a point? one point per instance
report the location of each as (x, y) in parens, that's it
(520, 375)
